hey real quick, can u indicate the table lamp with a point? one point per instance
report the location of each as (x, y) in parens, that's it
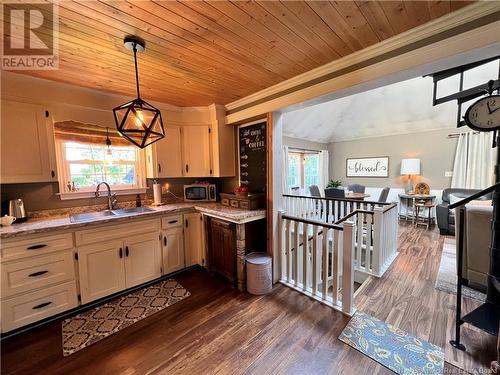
(410, 167)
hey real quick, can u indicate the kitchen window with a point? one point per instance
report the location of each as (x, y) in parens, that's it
(84, 160)
(303, 169)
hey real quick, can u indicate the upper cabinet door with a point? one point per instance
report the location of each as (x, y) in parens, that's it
(142, 259)
(196, 151)
(27, 150)
(168, 153)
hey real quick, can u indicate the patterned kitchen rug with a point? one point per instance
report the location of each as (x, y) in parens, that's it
(94, 325)
(391, 347)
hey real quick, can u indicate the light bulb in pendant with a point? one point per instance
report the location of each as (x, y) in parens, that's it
(139, 118)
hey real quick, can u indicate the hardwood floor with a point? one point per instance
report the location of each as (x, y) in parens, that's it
(406, 298)
(218, 330)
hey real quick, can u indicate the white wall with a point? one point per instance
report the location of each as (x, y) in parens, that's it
(434, 149)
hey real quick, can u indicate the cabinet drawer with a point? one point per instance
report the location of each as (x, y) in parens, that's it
(173, 221)
(37, 272)
(34, 246)
(34, 306)
(116, 231)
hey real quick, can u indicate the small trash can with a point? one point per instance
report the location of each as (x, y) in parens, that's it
(259, 275)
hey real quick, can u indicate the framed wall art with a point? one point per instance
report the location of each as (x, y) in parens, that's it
(367, 167)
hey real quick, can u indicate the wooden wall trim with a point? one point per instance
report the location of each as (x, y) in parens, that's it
(269, 189)
(437, 32)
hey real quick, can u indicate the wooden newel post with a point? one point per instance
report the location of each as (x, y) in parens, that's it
(280, 251)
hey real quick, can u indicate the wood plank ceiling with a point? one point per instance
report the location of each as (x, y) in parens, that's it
(198, 53)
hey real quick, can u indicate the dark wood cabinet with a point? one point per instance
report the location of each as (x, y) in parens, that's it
(222, 249)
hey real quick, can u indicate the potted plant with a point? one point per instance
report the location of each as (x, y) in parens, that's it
(334, 184)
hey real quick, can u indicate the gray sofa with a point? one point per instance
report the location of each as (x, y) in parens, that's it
(446, 217)
(477, 238)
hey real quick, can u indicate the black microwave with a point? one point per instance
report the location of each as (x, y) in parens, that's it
(200, 193)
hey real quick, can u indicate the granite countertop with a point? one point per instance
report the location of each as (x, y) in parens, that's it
(62, 222)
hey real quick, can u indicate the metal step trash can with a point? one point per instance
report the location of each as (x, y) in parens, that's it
(259, 273)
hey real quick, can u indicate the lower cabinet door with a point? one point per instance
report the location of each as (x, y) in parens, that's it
(102, 269)
(194, 239)
(222, 248)
(142, 259)
(173, 250)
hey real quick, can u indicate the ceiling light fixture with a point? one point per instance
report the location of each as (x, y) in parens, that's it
(138, 121)
(108, 142)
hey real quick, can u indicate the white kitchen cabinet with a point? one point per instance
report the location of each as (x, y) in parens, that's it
(222, 139)
(194, 244)
(37, 305)
(111, 266)
(164, 158)
(173, 250)
(142, 259)
(27, 144)
(101, 269)
(196, 151)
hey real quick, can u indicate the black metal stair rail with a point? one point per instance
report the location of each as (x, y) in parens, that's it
(487, 316)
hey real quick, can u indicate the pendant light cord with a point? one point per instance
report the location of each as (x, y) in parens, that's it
(136, 71)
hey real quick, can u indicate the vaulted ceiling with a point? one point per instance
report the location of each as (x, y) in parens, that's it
(401, 108)
(198, 53)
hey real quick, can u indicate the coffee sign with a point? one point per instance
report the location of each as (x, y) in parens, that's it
(368, 167)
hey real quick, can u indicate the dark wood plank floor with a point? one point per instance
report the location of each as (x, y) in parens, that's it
(220, 331)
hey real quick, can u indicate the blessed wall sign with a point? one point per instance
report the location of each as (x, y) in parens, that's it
(368, 167)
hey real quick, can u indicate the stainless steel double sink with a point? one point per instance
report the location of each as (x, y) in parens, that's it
(89, 216)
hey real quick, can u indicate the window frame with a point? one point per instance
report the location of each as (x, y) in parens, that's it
(302, 166)
(63, 171)
(300, 169)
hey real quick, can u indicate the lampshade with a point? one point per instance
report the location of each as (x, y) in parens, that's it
(410, 166)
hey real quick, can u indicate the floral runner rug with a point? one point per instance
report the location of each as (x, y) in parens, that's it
(392, 347)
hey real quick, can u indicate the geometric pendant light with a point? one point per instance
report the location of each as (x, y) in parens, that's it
(138, 121)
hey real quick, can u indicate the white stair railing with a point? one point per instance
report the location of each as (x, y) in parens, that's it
(375, 244)
(317, 259)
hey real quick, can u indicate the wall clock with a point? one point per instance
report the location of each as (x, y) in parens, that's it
(484, 114)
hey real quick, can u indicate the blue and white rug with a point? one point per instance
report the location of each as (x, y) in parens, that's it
(392, 347)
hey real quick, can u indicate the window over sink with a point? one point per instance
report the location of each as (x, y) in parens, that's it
(89, 154)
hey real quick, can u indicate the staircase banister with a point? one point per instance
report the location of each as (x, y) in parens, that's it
(313, 222)
(475, 196)
(336, 199)
(355, 212)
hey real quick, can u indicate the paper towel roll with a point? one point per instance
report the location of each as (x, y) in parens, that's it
(157, 194)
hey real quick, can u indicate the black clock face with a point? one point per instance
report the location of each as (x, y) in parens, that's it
(484, 115)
